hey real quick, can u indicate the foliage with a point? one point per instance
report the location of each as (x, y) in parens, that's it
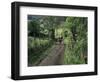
(76, 48)
(44, 32)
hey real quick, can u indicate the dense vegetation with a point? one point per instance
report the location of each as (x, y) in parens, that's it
(76, 40)
(45, 31)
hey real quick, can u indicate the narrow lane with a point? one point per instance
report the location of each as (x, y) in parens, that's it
(55, 57)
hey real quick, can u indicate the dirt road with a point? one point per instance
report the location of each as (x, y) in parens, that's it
(55, 57)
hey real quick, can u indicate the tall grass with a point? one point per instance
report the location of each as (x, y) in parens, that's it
(72, 54)
(36, 48)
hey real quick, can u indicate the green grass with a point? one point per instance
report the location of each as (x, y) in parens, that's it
(72, 55)
(37, 48)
